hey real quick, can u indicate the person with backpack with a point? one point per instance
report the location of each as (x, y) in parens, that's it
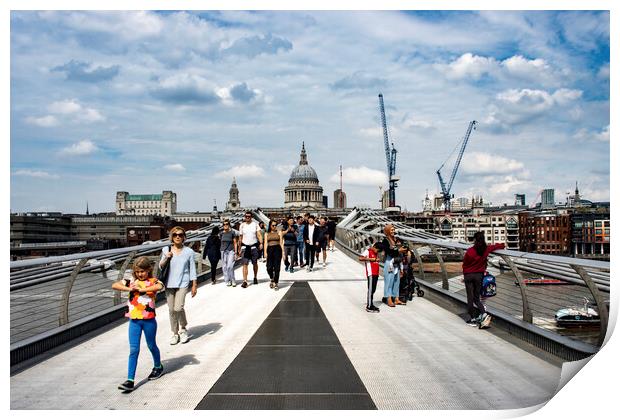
(212, 251)
(474, 267)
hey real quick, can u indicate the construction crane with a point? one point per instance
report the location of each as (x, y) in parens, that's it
(445, 189)
(390, 157)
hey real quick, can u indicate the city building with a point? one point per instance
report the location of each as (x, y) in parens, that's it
(590, 233)
(340, 199)
(497, 228)
(164, 204)
(30, 228)
(303, 188)
(547, 198)
(520, 200)
(233, 203)
(545, 233)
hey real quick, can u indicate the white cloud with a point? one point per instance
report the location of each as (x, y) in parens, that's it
(478, 163)
(469, 66)
(242, 171)
(603, 72)
(175, 167)
(46, 121)
(68, 106)
(35, 174)
(360, 176)
(81, 148)
(71, 107)
(587, 135)
(411, 122)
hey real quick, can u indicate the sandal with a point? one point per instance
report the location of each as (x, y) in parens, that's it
(271, 285)
(244, 284)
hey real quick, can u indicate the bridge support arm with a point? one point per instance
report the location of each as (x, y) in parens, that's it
(63, 317)
(603, 313)
(527, 313)
(416, 254)
(444, 271)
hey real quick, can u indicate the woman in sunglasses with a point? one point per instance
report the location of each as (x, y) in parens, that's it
(274, 248)
(182, 270)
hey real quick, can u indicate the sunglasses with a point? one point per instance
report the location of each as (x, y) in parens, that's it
(226, 224)
(273, 225)
(178, 234)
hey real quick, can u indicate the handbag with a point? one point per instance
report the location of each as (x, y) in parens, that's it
(162, 274)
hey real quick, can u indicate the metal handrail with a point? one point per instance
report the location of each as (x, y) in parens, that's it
(357, 239)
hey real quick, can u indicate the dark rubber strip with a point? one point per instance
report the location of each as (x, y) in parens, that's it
(294, 361)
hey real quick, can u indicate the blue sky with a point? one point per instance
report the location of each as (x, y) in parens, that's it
(146, 101)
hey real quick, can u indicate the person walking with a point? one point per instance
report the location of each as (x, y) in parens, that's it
(311, 242)
(474, 267)
(142, 289)
(299, 245)
(228, 249)
(212, 251)
(331, 231)
(273, 250)
(371, 258)
(251, 246)
(323, 240)
(289, 234)
(391, 266)
(182, 270)
(261, 225)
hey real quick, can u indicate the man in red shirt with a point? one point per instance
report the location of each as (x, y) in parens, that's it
(371, 265)
(474, 266)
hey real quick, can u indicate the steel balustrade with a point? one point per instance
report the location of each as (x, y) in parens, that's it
(51, 295)
(362, 227)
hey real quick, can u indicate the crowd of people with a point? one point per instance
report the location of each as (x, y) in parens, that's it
(295, 241)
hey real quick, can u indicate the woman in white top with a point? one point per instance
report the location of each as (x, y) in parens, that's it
(182, 270)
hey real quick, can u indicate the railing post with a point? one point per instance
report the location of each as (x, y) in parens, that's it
(63, 317)
(121, 274)
(527, 313)
(603, 313)
(444, 271)
(416, 254)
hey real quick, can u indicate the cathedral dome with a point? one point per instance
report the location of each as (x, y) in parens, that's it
(303, 172)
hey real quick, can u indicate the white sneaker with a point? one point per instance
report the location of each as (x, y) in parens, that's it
(184, 337)
(324, 264)
(234, 284)
(486, 321)
(174, 339)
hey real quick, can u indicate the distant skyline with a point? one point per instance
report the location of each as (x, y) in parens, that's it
(151, 101)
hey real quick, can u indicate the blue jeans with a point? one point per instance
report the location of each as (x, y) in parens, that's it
(299, 251)
(136, 326)
(391, 281)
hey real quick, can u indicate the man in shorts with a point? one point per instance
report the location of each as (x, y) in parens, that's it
(251, 246)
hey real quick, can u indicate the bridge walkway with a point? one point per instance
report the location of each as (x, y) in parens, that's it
(418, 356)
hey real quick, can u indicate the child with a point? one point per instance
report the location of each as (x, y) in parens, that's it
(372, 273)
(141, 313)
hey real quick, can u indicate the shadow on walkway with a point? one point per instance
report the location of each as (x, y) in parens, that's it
(200, 330)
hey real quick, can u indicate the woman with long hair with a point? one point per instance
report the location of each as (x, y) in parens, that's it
(273, 251)
(474, 267)
(392, 248)
(182, 270)
(212, 251)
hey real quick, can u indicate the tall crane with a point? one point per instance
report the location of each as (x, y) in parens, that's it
(445, 189)
(390, 157)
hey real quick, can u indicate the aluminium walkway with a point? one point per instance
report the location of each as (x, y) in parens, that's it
(311, 345)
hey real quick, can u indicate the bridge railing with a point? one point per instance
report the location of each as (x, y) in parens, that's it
(594, 275)
(56, 299)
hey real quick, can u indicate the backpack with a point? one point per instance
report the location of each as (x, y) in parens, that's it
(489, 286)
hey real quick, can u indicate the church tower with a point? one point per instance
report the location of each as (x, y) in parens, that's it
(233, 197)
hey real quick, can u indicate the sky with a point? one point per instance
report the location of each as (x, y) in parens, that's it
(146, 101)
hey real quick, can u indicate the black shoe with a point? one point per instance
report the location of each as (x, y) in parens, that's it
(126, 386)
(244, 284)
(373, 308)
(156, 373)
(255, 281)
(384, 300)
(212, 281)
